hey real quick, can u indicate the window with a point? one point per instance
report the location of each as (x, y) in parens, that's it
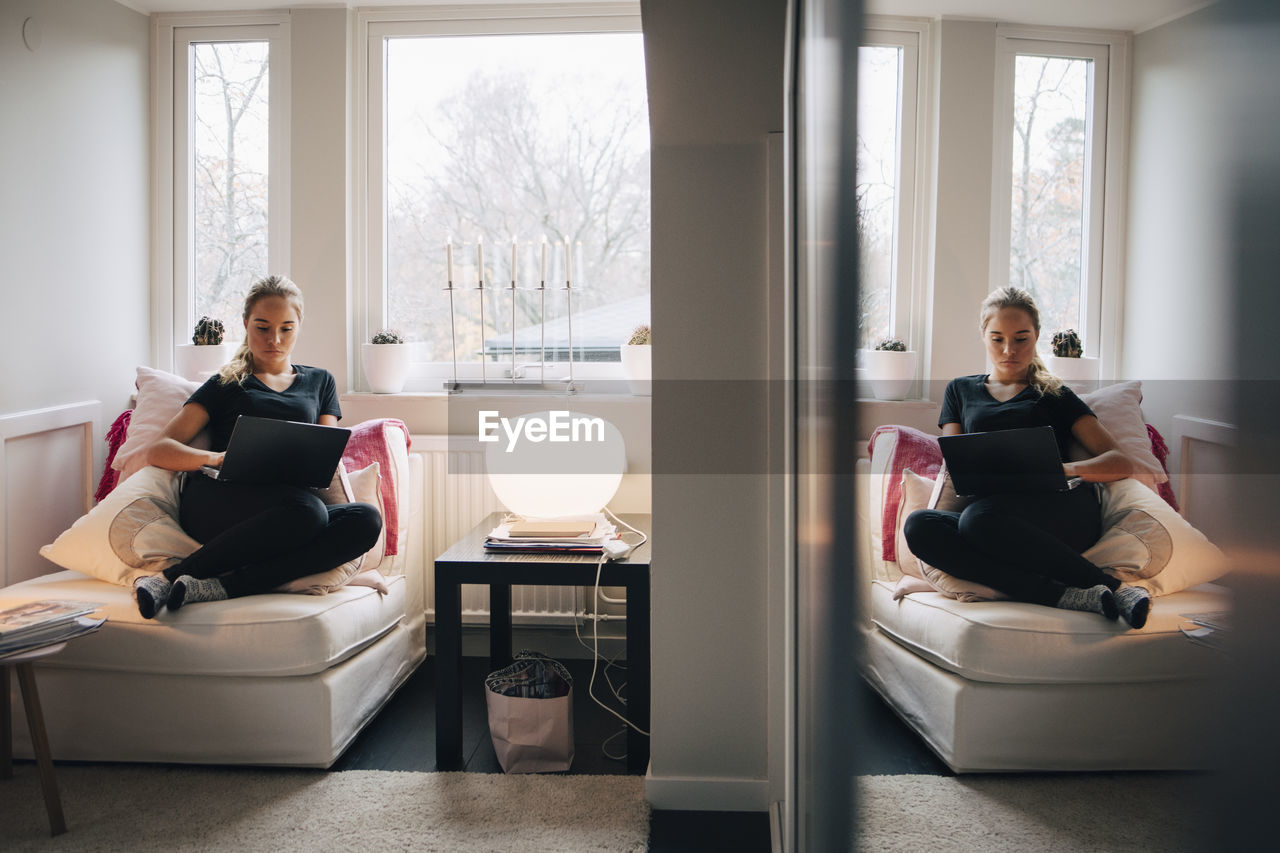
(223, 109)
(513, 141)
(1051, 211)
(890, 238)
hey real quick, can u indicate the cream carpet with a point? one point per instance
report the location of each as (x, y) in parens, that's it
(140, 808)
(144, 808)
(1060, 813)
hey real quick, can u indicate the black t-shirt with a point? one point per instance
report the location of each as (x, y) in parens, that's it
(968, 403)
(312, 394)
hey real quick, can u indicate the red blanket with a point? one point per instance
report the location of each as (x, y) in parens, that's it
(915, 450)
(115, 437)
(368, 443)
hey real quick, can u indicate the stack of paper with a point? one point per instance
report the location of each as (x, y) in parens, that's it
(1210, 629)
(585, 534)
(43, 623)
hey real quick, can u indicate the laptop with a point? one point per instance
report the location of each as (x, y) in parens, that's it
(1011, 460)
(266, 450)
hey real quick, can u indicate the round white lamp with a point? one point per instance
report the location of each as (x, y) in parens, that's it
(558, 464)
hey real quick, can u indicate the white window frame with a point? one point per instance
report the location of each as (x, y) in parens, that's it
(373, 27)
(912, 226)
(1105, 155)
(173, 291)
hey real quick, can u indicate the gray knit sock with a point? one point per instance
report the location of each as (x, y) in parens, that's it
(1134, 604)
(151, 592)
(1095, 599)
(187, 589)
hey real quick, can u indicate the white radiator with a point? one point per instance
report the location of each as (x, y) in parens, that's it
(456, 498)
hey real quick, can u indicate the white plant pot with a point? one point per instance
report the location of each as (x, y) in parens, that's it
(890, 374)
(1074, 371)
(198, 362)
(386, 367)
(637, 365)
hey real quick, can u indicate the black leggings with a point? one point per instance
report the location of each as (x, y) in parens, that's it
(1027, 546)
(257, 537)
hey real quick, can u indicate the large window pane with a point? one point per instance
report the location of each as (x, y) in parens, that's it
(879, 122)
(1050, 180)
(229, 142)
(516, 136)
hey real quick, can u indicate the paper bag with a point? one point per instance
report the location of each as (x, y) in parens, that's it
(531, 714)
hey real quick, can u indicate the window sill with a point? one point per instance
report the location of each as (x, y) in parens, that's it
(442, 413)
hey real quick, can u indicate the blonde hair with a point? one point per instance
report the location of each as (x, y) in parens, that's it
(240, 367)
(1038, 375)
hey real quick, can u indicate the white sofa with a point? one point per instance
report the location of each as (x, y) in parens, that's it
(1004, 686)
(278, 679)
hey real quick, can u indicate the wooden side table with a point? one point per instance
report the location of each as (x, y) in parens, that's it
(21, 663)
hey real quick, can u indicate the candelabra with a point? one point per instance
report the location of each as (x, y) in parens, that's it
(517, 379)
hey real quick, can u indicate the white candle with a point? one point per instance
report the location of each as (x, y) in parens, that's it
(543, 279)
(568, 263)
(480, 261)
(448, 256)
(514, 246)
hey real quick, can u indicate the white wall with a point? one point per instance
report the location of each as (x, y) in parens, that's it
(964, 80)
(74, 209)
(1178, 272)
(716, 86)
(319, 248)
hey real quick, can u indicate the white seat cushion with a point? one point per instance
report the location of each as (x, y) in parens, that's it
(257, 635)
(1011, 642)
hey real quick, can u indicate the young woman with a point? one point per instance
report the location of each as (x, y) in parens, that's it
(254, 537)
(1028, 546)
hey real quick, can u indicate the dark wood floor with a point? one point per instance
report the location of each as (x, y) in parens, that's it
(402, 737)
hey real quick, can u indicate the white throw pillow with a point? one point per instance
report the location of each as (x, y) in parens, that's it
(161, 395)
(133, 532)
(1147, 543)
(1119, 409)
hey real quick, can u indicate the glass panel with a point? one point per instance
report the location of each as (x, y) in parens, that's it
(520, 136)
(229, 143)
(879, 129)
(1050, 133)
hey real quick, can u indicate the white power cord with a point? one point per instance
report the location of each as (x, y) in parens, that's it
(595, 628)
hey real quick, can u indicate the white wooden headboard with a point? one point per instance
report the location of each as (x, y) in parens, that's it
(1203, 477)
(46, 481)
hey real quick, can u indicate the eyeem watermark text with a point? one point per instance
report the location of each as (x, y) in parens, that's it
(559, 427)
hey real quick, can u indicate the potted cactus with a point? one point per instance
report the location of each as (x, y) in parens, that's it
(206, 353)
(1068, 361)
(637, 360)
(386, 362)
(890, 369)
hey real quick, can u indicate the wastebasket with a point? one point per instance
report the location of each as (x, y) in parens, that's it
(530, 707)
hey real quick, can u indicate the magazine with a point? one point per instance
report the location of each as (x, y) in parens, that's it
(579, 535)
(36, 615)
(55, 632)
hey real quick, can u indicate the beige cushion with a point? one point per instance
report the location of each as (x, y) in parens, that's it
(1147, 543)
(916, 492)
(359, 487)
(1014, 642)
(254, 635)
(133, 532)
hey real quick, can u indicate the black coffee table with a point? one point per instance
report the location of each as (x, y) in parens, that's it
(467, 562)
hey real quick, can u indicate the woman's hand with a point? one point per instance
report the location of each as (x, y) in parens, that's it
(173, 449)
(1107, 461)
